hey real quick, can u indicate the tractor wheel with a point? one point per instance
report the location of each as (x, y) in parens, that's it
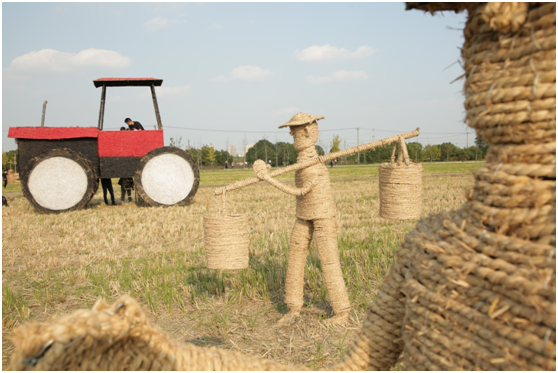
(167, 176)
(59, 180)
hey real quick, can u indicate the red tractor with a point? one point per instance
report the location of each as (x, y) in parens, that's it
(60, 167)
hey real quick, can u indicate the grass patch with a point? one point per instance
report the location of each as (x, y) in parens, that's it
(55, 264)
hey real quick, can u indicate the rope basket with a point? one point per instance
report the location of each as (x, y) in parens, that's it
(226, 239)
(400, 187)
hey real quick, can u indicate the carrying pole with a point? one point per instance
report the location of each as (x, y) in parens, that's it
(320, 159)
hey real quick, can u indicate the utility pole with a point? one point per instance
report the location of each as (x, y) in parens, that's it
(276, 159)
(345, 147)
(467, 139)
(358, 143)
(265, 147)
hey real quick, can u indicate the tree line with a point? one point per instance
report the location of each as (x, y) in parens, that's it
(284, 154)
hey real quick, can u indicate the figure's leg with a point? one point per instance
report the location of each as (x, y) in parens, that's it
(298, 251)
(111, 191)
(122, 192)
(325, 234)
(104, 186)
(129, 187)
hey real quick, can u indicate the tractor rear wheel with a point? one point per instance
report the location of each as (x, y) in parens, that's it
(167, 176)
(59, 180)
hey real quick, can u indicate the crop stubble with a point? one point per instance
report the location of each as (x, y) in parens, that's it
(54, 264)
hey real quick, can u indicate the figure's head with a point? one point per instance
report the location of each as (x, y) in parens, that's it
(129, 122)
(304, 130)
(305, 136)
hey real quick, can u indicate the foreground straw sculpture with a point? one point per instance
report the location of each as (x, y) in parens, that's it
(471, 289)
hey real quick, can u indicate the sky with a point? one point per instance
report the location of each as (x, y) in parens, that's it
(233, 72)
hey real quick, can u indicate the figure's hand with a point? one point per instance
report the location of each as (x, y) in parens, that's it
(260, 169)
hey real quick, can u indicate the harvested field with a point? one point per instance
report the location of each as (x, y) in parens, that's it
(55, 264)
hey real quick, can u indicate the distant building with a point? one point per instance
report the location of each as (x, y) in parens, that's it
(247, 147)
(232, 150)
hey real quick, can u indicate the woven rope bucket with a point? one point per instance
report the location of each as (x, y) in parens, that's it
(400, 187)
(226, 239)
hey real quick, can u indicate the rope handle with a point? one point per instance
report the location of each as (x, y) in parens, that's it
(402, 154)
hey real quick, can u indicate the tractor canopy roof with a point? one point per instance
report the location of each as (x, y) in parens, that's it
(127, 82)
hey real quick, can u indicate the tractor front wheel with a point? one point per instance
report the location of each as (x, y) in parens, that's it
(59, 180)
(167, 176)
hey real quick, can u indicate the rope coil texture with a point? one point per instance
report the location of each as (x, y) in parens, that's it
(470, 289)
(226, 240)
(400, 187)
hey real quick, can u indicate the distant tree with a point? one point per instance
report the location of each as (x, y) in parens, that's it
(335, 144)
(208, 156)
(195, 154)
(9, 160)
(222, 156)
(467, 154)
(448, 150)
(261, 150)
(380, 154)
(415, 150)
(433, 152)
(320, 150)
(286, 154)
(176, 142)
(482, 147)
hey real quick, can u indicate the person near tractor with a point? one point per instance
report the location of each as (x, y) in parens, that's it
(126, 186)
(132, 125)
(107, 186)
(5, 178)
(126, 183)
(315, 217)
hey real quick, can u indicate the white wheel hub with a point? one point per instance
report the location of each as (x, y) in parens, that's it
(167, 179)
(57, 183)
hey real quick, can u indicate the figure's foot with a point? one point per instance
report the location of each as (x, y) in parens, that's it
(289, 318)
(340, 318)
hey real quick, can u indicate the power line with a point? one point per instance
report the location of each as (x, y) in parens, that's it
(321, 130)
(454, 134)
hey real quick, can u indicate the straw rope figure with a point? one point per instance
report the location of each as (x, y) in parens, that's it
(315, 217)
(470, 289)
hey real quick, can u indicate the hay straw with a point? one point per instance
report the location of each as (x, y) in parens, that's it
(471, 289)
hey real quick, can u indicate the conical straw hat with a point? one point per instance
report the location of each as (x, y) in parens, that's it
(300, 119)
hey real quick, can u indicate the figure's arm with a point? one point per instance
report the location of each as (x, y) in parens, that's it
(260, 169)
